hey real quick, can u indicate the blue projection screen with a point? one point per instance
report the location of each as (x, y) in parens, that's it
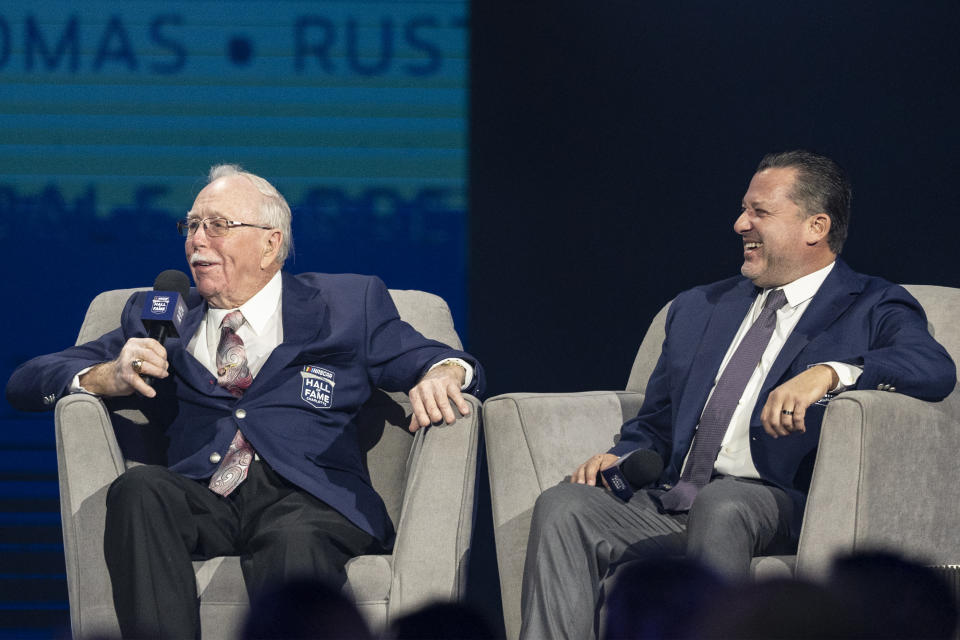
(112, 113)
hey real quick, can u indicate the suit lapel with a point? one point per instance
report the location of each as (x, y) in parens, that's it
(835, 296)
(180, 359)
(304, 320)
(724, 321)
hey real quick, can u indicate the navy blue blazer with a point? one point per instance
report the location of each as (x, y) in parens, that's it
(853, 318)
(342, 338)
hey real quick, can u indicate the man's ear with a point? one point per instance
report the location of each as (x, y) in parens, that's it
(818, 228)
(271, 248)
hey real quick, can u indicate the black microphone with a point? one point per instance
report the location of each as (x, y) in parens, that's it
(165, 307)
(642, 467)
(636, 470)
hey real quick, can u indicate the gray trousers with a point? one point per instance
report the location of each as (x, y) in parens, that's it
(579, 534)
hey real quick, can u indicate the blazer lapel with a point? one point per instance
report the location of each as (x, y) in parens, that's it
(727, 315)
(835, 296)
(304, 320)
(180, 359)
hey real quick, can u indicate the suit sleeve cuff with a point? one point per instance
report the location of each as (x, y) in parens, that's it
(847, 373)
(75, 383)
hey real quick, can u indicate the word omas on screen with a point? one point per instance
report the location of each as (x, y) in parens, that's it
(160, 44)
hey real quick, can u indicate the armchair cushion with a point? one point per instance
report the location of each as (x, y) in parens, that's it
(533, 442)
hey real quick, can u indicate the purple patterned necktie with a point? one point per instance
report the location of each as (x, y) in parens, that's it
(232, 371)
(719, 410)
(233, 374)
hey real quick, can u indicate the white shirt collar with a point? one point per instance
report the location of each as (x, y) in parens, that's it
(258, 310)
(803, 288)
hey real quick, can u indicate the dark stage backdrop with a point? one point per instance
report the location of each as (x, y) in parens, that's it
(111, 113)
(612, 143)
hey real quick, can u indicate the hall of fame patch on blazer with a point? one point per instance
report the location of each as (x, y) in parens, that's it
(318, 384)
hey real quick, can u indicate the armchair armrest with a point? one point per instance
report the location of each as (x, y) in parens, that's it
(433, 535)
(88, 460)
(533, 441)
(886, 476)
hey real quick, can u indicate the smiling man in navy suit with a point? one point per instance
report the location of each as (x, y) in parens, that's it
(258, 464)
(734, 405)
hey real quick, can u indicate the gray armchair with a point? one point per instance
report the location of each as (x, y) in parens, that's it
(426, 481)
(886, 474)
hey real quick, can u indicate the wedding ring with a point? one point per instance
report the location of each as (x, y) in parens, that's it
(137, 365)
(787, 412)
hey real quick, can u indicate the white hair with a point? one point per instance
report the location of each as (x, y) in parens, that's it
(274, 210)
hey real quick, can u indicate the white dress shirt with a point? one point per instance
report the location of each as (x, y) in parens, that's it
(734, 457)
(261, 333)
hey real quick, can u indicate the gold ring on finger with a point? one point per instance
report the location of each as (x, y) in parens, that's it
(137, 365)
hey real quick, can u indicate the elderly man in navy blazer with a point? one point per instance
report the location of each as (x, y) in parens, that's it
(259, 465)
(734, 405)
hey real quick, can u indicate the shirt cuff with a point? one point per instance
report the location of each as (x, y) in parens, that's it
(467, 367)
(75, 383)
(847, 373)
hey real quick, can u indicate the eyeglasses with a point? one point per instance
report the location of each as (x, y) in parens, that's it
(213, 227)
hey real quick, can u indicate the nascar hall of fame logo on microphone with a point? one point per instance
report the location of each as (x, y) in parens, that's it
(617, 483)
(159, 305)
(317, 389)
